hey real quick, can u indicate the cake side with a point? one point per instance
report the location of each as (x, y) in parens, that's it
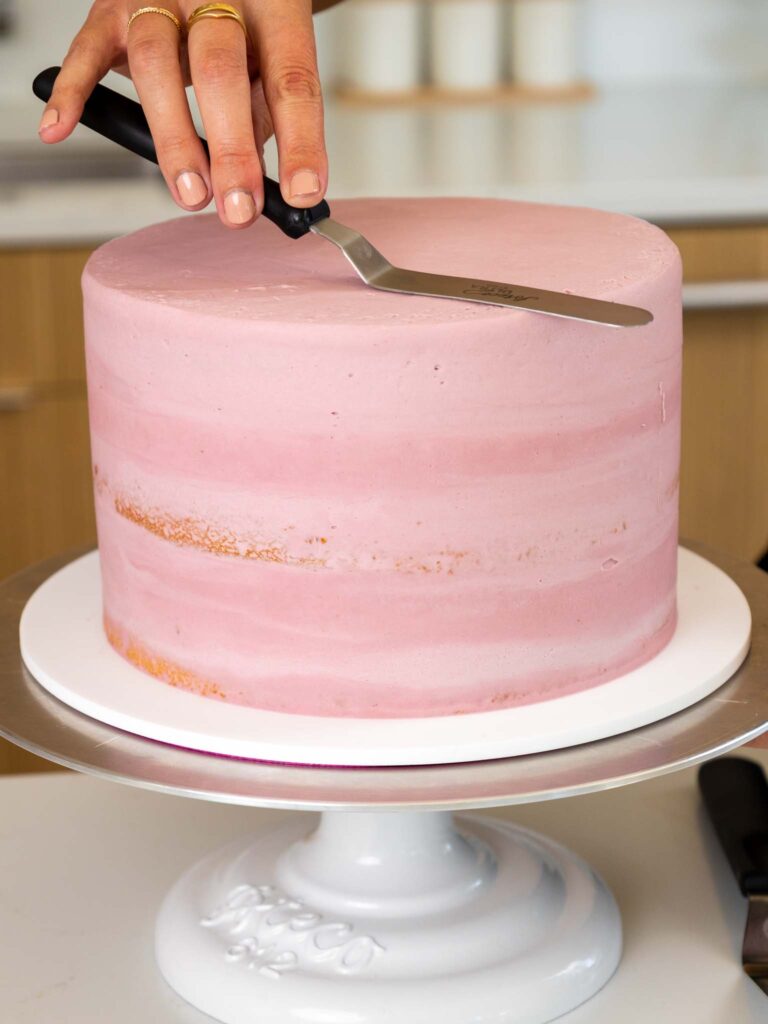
(317, 498)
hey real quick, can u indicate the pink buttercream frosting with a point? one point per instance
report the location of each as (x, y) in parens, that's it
(318, 498)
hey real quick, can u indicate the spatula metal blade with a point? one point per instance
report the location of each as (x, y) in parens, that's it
(379, 273)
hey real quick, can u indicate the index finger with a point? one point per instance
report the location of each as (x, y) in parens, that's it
(88, 59)
(285, 40)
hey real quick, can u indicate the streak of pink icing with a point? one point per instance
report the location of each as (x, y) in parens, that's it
(496, 491)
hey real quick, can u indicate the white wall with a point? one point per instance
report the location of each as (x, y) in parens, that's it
(42, 34)
(627, 40)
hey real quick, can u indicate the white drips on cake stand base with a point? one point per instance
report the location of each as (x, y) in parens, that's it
(375, 917)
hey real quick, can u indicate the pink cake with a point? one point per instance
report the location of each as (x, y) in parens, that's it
(317, 498)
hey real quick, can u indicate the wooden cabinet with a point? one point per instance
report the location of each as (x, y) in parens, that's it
(45, 498)
(42, 319)
(45, 480)
(724, 470)
(45, 501)
(45, 476)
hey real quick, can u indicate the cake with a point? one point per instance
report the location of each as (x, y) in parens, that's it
(317, 498)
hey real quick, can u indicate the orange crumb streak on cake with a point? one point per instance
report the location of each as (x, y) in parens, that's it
(187, 531)
(190, 532)
(160, 668)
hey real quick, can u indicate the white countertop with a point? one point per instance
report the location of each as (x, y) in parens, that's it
(672, 154)
(84, 865)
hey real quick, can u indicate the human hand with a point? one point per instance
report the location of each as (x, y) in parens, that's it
(245, 88)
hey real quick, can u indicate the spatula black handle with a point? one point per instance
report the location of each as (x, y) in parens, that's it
(735, 794)
(122, 120)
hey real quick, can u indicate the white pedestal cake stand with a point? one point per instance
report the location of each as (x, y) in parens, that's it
(375, 916)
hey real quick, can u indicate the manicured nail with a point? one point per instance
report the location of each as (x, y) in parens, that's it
(304, 183)
(49, 119)
(239, 206)
(192, 188)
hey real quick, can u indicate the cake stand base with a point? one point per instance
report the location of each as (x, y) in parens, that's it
(380, 917)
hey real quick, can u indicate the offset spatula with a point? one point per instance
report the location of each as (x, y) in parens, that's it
(736, 797)
(123, 121)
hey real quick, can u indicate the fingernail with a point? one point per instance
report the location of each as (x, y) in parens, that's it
(304, 183)
(50, 117)
(192, 188)
(239, 206)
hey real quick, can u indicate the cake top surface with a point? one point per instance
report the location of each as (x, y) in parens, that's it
(196, 264)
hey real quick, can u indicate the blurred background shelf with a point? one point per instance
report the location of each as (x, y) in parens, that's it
(679, 153)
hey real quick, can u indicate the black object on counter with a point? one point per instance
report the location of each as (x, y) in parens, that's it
(735, 795)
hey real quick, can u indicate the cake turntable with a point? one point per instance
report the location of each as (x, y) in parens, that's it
(388, 909)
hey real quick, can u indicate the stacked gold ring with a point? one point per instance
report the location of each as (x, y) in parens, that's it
(216, 10)
(155, 10)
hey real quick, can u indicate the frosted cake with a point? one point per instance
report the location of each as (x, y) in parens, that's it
(317, 498)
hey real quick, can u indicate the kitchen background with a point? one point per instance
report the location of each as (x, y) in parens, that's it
(643, 106)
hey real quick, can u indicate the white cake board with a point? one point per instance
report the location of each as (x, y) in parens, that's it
(64, 646)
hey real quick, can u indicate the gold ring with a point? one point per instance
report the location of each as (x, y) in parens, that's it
(155, 10)
(216, 11)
